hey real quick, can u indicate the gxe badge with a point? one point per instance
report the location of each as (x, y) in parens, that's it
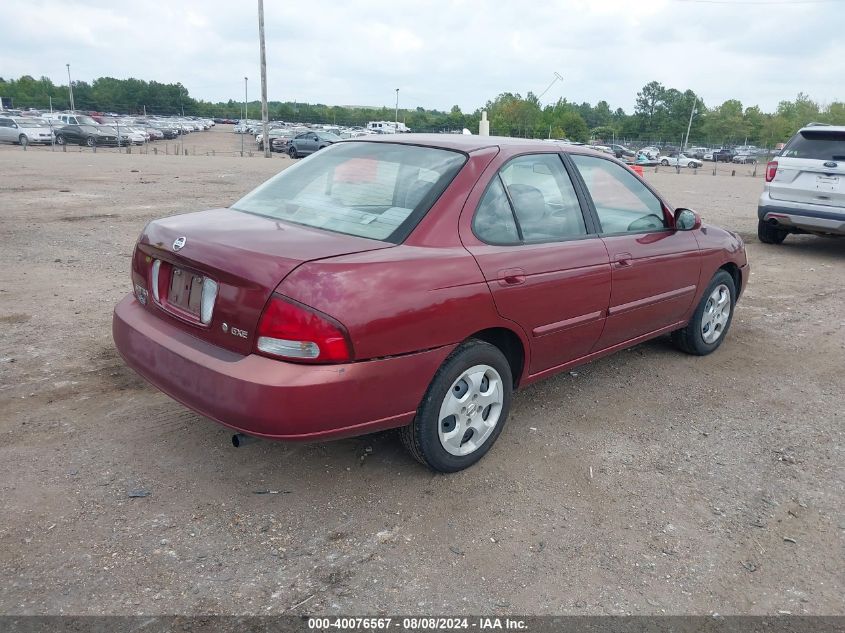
(179, 242)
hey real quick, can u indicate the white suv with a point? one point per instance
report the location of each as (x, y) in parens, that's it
(805, 186)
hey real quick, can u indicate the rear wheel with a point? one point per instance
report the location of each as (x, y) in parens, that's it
(60, 140)
(23, 140)
(665, 163)
(769, 234)
(89, 141)
(691, 165)
(292, 152)
(463, 410)
(712, 318)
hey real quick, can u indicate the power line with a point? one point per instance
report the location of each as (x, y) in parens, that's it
(760, 2)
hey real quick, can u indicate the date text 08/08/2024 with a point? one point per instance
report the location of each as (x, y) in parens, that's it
(416, 623)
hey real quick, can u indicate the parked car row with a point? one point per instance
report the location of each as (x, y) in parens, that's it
(94, 129)
(297, 139)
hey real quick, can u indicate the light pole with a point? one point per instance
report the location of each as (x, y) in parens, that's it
(70, 88)
(243, 130)
(265, 142)
(558, 77)
(689, 127)
(397, 110)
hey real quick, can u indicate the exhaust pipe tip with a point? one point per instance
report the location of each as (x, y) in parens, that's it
(773, 221)
(242, 439)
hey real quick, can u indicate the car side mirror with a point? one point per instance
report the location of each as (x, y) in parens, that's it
(687, 220)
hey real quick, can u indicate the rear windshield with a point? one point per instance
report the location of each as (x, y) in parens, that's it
(374, 190)
(816, 144)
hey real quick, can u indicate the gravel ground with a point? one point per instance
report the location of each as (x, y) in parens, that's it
(649, 482)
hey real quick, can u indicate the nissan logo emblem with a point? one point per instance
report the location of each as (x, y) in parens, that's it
(179, 242)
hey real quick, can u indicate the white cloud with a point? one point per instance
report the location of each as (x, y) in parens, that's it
(439, 52)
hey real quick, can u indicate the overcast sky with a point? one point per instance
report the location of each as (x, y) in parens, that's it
(438, 52)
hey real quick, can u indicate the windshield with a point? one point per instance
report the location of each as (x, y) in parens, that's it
(816, 144)
(374, 190)
(86, 120)
(327, 136)
(31, 123)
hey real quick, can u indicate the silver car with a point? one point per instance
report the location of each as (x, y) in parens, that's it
(805, 186)
(25, 130)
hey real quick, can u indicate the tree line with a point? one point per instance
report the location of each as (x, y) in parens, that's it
(661, 115)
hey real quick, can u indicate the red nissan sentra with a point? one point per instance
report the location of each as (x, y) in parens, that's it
(415, 281)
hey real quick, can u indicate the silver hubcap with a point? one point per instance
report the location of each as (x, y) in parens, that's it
(470, 410)
(717, 311)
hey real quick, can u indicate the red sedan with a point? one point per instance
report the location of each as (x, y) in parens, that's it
(415, 282)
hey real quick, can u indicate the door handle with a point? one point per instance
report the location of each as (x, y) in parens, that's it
(623, 260)
(511, 277)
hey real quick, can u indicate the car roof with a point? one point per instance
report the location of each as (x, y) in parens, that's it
(822, 128)
(472, 143)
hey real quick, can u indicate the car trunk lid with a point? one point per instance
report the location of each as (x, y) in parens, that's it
(245, 255)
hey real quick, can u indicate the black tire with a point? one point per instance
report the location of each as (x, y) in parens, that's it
(422, 438)
(23, 140)
(769, 234)
(60, 140)
(690, 339)
(90, 142)
(292, 152)
(691, 165)
(665, 163)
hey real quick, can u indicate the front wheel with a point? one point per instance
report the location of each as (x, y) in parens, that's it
(691, 165)
(23, 140)
(769, 234)
(463, 410)
(89, 141)
(60, 140)
(712, 318)
(665, 163)
(292, 152)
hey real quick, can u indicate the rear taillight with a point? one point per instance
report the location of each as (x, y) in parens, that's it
(287, 329)
(771, 170)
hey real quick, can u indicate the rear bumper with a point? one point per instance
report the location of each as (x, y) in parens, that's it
(268, 398)
(814, 218)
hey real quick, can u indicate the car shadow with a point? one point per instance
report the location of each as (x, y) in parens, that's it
(831, 248)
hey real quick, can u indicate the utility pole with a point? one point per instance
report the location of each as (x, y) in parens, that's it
(264, 127)
(689, 127)
(243, 130)
(397, 110)
(70, 88)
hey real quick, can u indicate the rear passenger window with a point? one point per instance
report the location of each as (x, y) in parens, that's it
(532, 200)
(493, 222)
(543, 198)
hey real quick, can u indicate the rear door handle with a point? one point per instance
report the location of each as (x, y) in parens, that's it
(623, 260)
(511, 277)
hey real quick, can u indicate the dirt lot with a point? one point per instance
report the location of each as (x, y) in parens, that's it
(648, 482)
